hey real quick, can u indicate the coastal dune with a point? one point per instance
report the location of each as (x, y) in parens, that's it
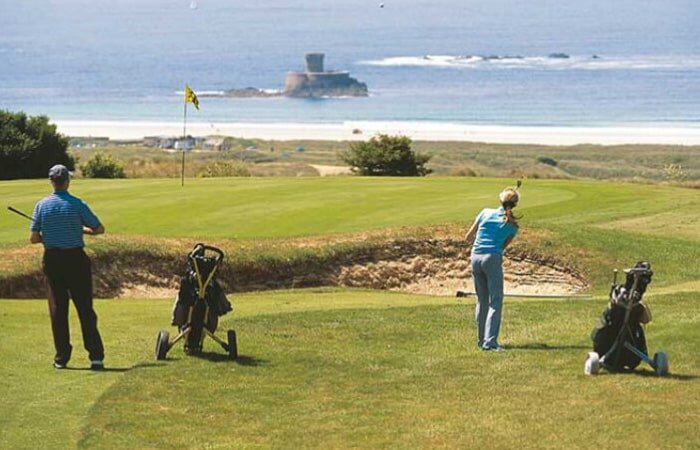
(423, 131)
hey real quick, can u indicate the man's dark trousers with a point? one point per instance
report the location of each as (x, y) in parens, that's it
(69, 274)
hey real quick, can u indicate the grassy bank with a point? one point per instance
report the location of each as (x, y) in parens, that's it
(332, 368)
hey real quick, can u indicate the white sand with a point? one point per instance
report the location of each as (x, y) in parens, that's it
(329, 171)
(423, 131)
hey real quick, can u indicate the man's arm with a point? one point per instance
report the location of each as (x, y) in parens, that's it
(89, 218)
(35, 237)
(92, 231)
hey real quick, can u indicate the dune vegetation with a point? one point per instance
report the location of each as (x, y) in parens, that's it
(642, 163)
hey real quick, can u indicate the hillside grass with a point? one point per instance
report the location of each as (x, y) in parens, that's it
(339, 368)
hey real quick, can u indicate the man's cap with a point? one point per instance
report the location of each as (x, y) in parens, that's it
(59, 173)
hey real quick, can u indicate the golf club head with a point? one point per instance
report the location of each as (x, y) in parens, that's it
(518, 183)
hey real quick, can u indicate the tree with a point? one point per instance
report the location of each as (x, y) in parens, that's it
(102, 165)
(29, 146)
(386, 155)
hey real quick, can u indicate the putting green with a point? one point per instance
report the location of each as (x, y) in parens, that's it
(283, 207)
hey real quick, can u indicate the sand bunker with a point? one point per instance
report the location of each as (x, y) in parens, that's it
(423, 274)
(434, 267)
(423, 266)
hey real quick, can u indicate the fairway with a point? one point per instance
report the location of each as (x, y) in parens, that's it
(324, 368)
(331, 367)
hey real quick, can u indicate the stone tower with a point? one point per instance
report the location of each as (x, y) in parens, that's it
(314, 62)
(316, 82)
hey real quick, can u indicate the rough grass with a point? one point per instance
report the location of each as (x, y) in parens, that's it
(328, 369)
(678, 224)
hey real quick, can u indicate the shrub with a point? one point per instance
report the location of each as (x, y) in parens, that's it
(547, 160)
(29, 146)
(102, 165)
(224, 169)
(386, 155)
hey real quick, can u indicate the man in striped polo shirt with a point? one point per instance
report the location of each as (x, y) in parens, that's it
(60, 220)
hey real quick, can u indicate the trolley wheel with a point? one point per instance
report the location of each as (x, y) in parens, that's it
(232, 344)
(661, 363)
(592, 365)
(162, 345)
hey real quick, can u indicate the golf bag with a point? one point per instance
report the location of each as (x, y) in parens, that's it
(188, 294)
(199, 304)
(619, 342)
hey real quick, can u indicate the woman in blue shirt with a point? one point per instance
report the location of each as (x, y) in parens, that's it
(492, 231)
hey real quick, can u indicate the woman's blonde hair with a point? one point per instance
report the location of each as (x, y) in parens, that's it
(509, 198)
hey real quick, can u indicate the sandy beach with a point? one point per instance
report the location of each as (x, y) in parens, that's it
(422, 131)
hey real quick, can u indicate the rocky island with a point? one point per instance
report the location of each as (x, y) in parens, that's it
(314, 81)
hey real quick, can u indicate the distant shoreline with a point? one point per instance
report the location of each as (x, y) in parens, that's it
(419, 131)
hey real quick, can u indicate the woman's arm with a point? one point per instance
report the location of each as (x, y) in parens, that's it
(469, 237)
(507, 242)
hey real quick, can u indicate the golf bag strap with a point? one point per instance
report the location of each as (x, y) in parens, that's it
(203, 286)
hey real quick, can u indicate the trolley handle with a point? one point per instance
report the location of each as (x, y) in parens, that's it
(200, 248)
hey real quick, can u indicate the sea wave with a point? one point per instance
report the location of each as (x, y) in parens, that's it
(555, 61)
(227, 93)
(204, 93)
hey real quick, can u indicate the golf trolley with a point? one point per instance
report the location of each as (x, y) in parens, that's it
(618, 338)
(199, 303)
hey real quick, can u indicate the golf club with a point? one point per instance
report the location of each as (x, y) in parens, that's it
(19, 213)
(463, 294)
(518, 183)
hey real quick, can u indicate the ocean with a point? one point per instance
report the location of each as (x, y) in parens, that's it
(495, 62)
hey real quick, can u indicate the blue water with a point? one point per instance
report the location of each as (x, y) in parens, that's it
(126, 59)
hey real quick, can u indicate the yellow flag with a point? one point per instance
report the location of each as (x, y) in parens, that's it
(191, 97)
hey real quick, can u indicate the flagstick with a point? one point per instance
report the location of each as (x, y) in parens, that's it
(184, 137)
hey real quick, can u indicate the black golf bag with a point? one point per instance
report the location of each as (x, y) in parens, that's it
(621, 324)
(199, 304)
